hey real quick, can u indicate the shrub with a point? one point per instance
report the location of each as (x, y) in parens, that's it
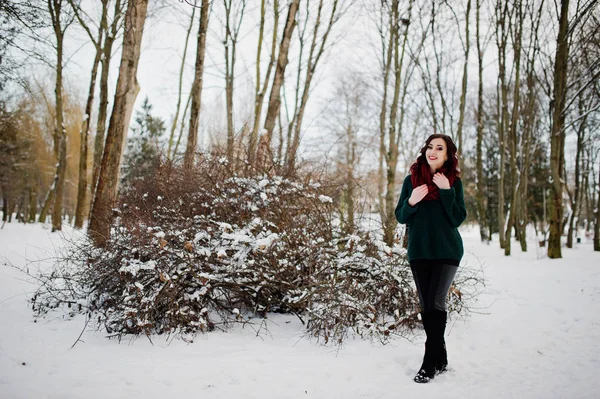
(191, 252)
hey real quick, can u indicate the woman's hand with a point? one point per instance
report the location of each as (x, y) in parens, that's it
(441, 181)
(418, 194)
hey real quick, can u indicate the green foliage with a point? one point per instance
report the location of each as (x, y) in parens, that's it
(144, 146)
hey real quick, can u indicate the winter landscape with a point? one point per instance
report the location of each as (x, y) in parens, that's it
(224, 199)
(533, 333)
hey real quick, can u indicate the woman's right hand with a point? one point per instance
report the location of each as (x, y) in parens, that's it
(418, 194)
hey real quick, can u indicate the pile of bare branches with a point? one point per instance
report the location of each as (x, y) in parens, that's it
(194, 251)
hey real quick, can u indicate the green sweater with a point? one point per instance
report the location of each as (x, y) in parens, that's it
(433, 225)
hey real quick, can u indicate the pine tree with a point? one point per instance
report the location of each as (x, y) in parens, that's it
(143, 147)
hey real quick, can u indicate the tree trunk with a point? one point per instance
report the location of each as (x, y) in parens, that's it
(181, 68)
(187, 107)
(597, 224)
(513, 135)
(4, 209)
(502, 38)
(127, 90)
(46, 205)
(282, 61)
(260, 92)
(109, 39)
(231, 40)
(557, 141)
(479, 149)
(55, 8)
(84, 134)
(576, 197)
(463, 93)
(387, 64)
(196, 94)
(351, 156)
(32, 204)
(389, 223)
(313, 61)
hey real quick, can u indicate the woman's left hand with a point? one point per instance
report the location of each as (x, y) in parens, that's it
(441, 181)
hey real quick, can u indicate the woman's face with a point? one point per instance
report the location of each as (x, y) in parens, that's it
(436, 154)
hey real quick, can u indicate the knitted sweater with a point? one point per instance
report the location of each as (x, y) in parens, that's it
(433, 225)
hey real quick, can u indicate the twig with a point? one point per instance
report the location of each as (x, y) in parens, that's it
(87, 321)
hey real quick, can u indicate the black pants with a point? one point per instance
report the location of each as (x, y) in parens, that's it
(433, 280)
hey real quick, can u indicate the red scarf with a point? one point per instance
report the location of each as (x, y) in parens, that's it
(422, 175)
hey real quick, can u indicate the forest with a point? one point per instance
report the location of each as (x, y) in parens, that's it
(293, 121)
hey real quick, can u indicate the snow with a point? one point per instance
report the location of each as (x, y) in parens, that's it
(325, 199)
(533, 333)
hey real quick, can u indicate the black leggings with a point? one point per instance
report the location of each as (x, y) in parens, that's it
(433, 281)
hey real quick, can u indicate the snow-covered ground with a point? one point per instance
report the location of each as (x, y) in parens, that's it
(535, 333)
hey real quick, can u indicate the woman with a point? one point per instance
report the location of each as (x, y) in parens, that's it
(432, 206)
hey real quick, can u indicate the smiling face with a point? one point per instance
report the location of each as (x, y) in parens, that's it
(436, 154)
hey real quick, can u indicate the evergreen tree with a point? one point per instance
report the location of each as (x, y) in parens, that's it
(143, 147)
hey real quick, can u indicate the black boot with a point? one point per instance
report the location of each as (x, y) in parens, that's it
(438, 327)
(427, 370)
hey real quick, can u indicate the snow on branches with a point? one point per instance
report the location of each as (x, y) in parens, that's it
(192, 252)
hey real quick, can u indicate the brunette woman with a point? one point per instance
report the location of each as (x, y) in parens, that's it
(432, 206)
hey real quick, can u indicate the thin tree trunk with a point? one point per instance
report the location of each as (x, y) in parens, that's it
(479, 149)
(282, 61)
(181, 68)
(109, 40)
(389, 225)
(513, 135)
(351, 157)
(32, 204)
(387, 63)
(230, 43)
(47, 202)
(576, 197)
(55, 8)
(502, 39)
(597, 224)
(557, 141)
(196, 94)
(313, 61)
(127, 90)
(260, 92)
(463, 93)
(4, 208)
(185, 111)
(85, 129)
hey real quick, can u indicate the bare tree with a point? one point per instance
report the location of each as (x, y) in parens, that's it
(463, 92)
(112, 31)
(346, 122)
(282, 61)
(60, 22)
(317, 48)
(261, 89)
(512, 137)
(234, 16)
(503, 18)
(180, 87)
(390, 128)
(479, 145)
(127, 90)
(557, 135)
(196, 94)
(530, 120)
(85, 127)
